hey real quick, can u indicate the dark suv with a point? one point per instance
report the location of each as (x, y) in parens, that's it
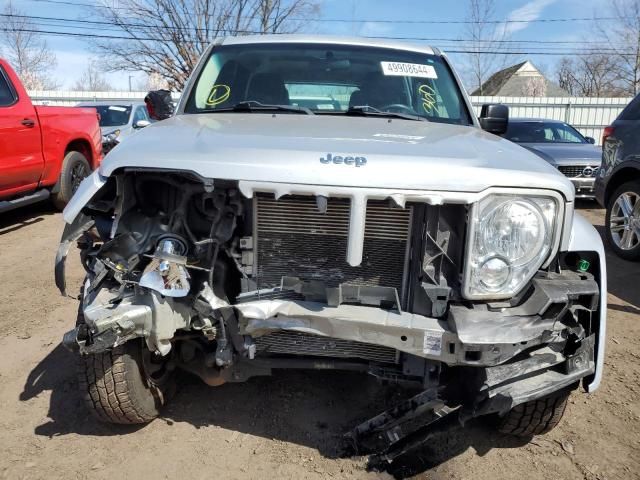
(617, 185)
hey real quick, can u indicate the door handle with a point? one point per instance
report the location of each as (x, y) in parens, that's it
(27, 122)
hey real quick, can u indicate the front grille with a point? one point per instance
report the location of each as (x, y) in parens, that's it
(573, 171)
(294, 343)
(293, 238)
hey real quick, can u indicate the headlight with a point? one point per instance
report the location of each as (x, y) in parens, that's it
(111, 137)
(510, 237)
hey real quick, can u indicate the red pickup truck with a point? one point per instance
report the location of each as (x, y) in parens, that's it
(44, 151)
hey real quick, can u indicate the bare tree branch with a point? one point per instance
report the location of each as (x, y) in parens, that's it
(623, 35)
(593, 75)
(484, 36)
(26, 51)
(92, 79)
(168, 36)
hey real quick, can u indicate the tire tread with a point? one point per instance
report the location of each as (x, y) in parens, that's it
(535, 417)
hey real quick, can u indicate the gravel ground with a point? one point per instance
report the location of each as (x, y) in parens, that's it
(286, 426)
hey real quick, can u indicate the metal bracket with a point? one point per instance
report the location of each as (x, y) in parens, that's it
(439, 296)
(383, 297)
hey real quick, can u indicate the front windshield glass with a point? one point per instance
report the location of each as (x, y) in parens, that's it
(114, 115)
(543, 132)
(329, 79)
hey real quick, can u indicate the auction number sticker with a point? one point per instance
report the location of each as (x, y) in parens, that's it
(408, 69)
(432, 343)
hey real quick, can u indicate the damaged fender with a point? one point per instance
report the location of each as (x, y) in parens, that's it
(87, 189)
(76, 223)
(72, 232)
(584, 237)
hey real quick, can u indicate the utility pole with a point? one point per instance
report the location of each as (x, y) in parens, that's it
(130, 77)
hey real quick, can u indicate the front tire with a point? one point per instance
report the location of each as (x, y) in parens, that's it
(535, 417)
(75, 168)
(124, 385)
(622, 221)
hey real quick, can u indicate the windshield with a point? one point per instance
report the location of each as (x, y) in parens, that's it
(329, 79)
(113, 115)
(543, 132)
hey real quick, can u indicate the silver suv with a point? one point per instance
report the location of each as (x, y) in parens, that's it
(382, 231)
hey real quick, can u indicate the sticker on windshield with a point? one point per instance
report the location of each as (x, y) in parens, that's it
(219, 94)
(408, 69)
(117, 109)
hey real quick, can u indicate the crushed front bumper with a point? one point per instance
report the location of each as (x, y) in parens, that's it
(499, 346)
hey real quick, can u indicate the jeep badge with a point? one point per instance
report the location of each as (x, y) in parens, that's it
(337, 159)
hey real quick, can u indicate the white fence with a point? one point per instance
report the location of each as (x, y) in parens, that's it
(589, 115)
(69, 99)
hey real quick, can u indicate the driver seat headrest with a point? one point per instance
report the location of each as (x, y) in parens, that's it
(268, 88)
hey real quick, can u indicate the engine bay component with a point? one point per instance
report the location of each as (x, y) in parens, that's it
(166, 272)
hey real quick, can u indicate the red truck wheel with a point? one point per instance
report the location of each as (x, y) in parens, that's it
(75, 168)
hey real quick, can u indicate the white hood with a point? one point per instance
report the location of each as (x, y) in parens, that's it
(287, 148)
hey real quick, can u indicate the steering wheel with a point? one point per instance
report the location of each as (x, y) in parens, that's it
(398, 108)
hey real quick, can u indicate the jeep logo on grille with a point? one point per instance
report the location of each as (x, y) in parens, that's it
(346, 160)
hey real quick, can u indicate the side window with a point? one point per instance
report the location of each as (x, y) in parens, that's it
(7, 97)
(140, 114)
(631, 111)
(565, 134)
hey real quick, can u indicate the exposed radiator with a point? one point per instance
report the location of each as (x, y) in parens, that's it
(294, 343)
(293, 238)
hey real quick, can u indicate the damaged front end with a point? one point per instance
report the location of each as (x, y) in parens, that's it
(234, 279)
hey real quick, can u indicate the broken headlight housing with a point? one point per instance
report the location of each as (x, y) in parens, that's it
(510, 237)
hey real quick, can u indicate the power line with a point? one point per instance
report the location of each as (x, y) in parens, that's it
(152, 39)
(45, 21)
(344, 20)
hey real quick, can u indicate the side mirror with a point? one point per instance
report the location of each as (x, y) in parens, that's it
(142, 124)
(590, 140)
(494, 118)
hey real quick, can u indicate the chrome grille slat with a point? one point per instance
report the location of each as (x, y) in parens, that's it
(573, 171)
(294, 343)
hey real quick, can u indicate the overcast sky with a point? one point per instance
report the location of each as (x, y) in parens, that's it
(73, 53)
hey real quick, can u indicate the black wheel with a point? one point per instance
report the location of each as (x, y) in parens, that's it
(75, 168)
(622, 223)
(535, 417)
(126, 385)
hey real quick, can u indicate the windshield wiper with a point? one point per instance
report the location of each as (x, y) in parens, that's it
(253, 106)
(368, 111)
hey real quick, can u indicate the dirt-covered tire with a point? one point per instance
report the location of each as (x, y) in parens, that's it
(117, 386)
(622, 227)
(535, 417)
(75, 168)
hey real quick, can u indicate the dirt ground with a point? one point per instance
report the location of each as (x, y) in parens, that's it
(286, 426)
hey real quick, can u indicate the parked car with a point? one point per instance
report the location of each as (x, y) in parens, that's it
(45, 152)
(119, 120)
(562, 146)
(618, 182)
(388, 235)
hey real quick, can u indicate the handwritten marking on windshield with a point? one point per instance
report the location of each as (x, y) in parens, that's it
(428, 97)
(219, 94)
